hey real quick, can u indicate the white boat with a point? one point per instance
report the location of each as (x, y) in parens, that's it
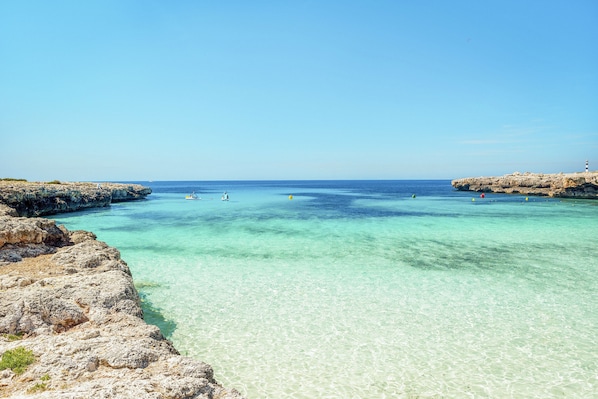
(192, 196)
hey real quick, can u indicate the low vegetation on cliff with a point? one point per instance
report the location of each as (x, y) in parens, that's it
(17, 360)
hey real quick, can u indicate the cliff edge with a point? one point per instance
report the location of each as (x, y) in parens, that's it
(40, 199)
(69, 302)
(561, 185)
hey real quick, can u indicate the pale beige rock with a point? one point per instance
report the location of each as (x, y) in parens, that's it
(23, 237)
(6, 210)
(569, 185)
(80, 314)
(30, 231)
(79, 236)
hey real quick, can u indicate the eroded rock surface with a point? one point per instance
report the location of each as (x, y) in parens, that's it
(22, 237)
(72, 301)
(562, 185)
(39, 199)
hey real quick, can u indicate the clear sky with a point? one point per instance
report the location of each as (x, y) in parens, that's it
(210, 90)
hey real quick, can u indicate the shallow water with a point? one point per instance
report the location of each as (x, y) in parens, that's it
(357, 290)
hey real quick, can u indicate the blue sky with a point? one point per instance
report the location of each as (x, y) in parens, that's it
(210, 90)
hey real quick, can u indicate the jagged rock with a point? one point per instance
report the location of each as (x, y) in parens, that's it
(31, 231)
(128, 192)
(38, 199)
(6, 210)
(79, 236)
(79, 312)
(23, 237)
(90, 254)
(571, 185)
(61, 302)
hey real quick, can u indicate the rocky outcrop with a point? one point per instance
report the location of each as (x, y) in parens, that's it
(23, 237)
(39, 199)
(561, 185)
(70, 299)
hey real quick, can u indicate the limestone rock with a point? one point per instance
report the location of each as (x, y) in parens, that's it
(38, 199)
(128, 192)
(6, 210)
(79, 236)
(30, 231)
(77, 309)
(571, 185)
(23, 237)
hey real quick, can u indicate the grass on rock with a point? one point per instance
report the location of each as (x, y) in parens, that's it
(17, 360)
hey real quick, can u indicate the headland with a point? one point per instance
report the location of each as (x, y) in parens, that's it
(583, 185)
(40, 199)
(69, 301)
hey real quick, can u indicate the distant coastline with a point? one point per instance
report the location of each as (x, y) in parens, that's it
(41, 199)
(582, 185)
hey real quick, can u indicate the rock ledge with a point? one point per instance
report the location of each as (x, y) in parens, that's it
(561, 185)
(39, 199)
(70, 299)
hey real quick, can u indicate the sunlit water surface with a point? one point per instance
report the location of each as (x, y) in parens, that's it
(356, 289)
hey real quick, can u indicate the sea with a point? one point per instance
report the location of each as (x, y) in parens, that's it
(366, 289)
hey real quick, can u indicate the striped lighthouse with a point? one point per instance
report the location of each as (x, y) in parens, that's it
(587, 166)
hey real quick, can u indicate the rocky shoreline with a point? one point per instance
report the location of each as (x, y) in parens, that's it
(583, 185)
(40, 199)
(70, 300)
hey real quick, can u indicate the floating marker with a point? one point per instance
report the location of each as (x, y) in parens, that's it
(482, 195)
(526, 198)
(473, 200)
(413, 196)
(290, 197)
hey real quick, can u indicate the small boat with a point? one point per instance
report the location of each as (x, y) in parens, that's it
(192, 196)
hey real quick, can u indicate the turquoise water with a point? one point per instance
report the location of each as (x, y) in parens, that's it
(357, 290)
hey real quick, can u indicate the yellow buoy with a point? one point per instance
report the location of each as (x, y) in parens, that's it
(290, 197)
(526, 198)
(473, 200)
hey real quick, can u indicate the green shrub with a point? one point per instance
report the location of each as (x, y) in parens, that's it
(55, 182)
(13, 337)
(40, 386)
(17, 360)
(11, 179)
